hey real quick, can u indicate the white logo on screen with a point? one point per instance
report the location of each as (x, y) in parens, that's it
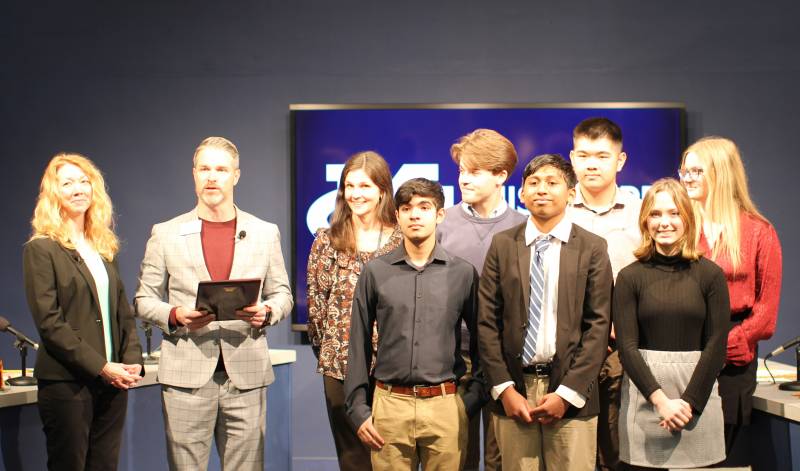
(322, 207)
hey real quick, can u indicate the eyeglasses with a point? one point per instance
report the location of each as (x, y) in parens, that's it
(695, 173)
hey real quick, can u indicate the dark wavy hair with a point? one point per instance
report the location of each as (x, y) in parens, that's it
(420, 187)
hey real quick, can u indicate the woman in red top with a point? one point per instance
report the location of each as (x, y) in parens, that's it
(744, 244)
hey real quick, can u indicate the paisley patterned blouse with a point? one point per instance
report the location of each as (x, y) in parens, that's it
(332, 277)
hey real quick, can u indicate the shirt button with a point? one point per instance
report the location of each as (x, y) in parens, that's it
(416, 343)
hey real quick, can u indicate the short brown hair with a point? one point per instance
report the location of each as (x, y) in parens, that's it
(678, 193)
(485, 149)
(597, 128)
(218, 143)
(421, 187)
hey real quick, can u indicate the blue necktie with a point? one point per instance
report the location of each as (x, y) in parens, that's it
(536, 300)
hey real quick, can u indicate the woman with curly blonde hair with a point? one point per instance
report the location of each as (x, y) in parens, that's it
(90, 353)
(734, 234)
(51, 218)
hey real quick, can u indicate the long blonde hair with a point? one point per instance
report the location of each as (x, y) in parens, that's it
(49, 218)
(728, 195)
(687, 242)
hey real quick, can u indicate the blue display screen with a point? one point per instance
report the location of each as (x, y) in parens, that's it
(416, 143)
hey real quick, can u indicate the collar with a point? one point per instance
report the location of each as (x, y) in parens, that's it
(560, 232)
(399, 255)
(498, 211)
(621, 198)
(193, 214)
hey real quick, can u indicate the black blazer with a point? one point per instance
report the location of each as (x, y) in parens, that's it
(584, 310)
(63, 300)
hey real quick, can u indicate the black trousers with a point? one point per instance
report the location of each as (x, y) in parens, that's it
(82, 423)
(353, 455)
(736, 387)
(492, 460)
(609, 386)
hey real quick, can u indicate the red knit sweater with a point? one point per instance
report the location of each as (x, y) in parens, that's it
(754, 287)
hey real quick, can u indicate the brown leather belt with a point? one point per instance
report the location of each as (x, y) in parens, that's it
(448, 387)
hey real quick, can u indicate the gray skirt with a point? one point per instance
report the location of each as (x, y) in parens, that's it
(642, 442)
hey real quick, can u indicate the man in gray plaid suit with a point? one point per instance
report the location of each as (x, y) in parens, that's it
(213, 374)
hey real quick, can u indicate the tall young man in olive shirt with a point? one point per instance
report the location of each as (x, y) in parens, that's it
(418, 295)
(602, 207)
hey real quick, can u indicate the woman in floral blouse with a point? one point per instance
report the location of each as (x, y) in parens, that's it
(363, 226)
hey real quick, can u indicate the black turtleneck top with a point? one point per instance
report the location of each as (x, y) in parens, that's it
(672, 304)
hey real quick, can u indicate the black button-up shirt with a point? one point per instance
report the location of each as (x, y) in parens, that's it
(418, 313)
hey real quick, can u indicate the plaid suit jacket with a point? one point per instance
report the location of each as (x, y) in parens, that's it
(173, 265)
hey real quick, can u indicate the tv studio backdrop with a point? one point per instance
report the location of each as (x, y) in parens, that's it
(135, 86)
(415, 140)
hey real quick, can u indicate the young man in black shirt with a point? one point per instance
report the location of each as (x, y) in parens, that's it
(418, 295)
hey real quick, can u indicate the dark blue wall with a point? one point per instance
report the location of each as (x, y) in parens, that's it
(136, 85)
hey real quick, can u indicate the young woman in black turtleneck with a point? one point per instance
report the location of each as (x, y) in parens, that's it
(671, 311)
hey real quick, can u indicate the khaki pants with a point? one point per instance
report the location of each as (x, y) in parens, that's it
(431, 431)
(567, 444)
